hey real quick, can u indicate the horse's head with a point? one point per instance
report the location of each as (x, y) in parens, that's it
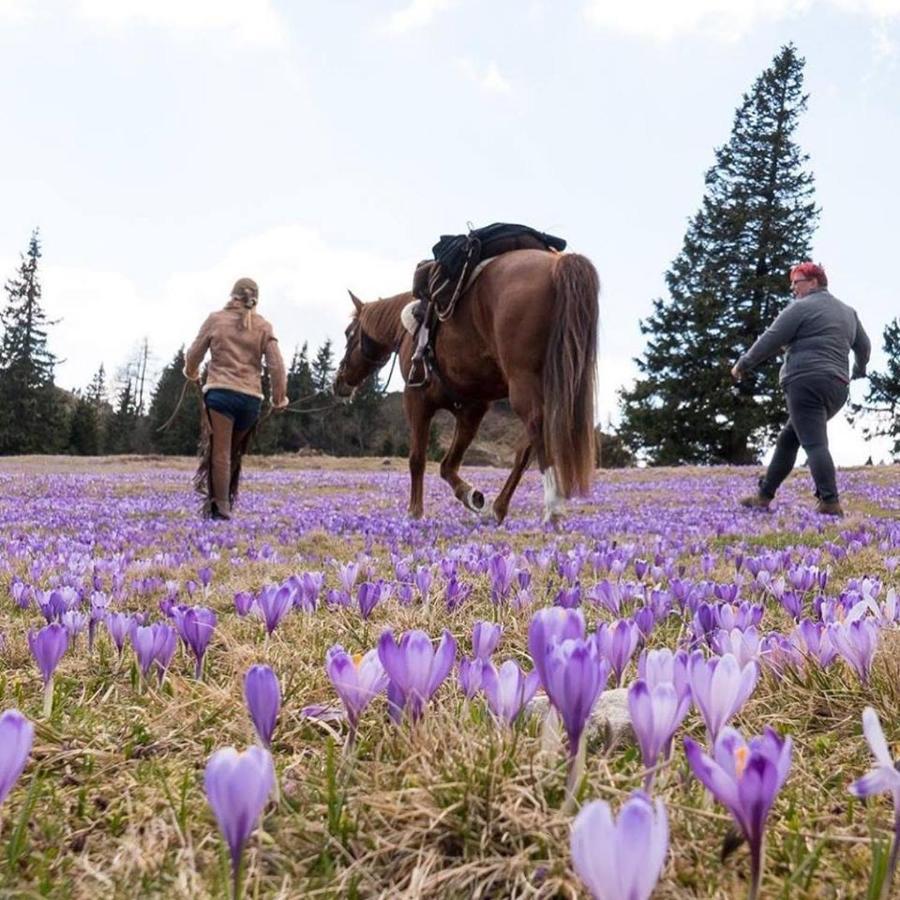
(362, 354)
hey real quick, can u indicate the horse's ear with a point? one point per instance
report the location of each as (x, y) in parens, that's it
(356, 301)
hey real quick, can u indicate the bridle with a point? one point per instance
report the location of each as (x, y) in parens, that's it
(372, 352)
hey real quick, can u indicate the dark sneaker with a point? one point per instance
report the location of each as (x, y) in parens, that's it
(829, 508)
(756, 501)
(219, 512)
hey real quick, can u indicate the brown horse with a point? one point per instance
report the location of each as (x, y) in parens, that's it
(526, 330)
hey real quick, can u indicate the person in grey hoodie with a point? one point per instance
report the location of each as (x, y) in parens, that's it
(818, 332)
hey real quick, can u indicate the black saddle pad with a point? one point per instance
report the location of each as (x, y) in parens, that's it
(452, 250)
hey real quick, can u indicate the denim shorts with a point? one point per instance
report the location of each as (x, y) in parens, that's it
(242, 409)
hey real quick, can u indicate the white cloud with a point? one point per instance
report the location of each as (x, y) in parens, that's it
(416, 14)
(303, 292)
(16, 10)
(724, 20)
(488, 78)
(252, 22)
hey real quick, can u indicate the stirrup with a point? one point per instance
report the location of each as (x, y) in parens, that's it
(413, 370)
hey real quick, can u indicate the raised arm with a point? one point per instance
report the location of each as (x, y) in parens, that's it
(780, 333)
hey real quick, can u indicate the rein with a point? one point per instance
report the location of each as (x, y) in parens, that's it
(171, 418)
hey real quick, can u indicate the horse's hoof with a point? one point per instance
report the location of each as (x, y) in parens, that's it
(475, 501)
(553, 518)
(499, 515)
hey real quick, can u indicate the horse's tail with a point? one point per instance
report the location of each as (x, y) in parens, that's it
(570, 372)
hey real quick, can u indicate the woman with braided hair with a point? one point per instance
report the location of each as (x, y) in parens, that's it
(238, 340)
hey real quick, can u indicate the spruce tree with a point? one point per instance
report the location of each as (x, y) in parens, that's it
(881, 407)
(84, 432)
(122, 423)
(183, 433)
(294, 427)
(31, 408)
(323, 368)
(725, 287)
(97, 396)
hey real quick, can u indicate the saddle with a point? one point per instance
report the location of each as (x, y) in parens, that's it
(444, 279)
(439, 283)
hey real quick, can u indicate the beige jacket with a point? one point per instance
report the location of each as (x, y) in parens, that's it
(236, 353)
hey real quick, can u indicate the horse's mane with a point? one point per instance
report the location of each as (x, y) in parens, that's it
(381, 318)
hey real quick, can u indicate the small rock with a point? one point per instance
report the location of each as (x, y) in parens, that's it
(610, 718)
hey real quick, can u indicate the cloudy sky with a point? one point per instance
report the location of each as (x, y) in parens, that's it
(166, 147)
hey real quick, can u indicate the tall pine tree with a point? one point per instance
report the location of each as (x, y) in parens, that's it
(726, 285)
(882, 403)
(32, 409)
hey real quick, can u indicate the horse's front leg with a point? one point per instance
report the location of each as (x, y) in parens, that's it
(467, 421)
(419, 414)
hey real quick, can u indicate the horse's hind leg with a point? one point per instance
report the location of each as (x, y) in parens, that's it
(419, 414)
(467, 421)
(527, 400)
(523, 457)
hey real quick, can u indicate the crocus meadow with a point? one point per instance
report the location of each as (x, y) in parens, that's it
(662, 694)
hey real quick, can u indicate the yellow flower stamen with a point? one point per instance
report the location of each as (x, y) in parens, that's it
(741, 755)
(357, 659)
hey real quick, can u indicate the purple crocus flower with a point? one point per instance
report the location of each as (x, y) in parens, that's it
(348, 573)
(274, 603)
(238, 786)
(74, 621)
(720, 688)
(195, 627)
(99, 605)
(415, 669)
(660, 666)
(616, 643)
(745, 778)
(262, 694)
(856, 642)
(502, 570)
(357, 680)
(16, 736)
(423, 581)
(549, 626)
(575, 677)
(507, 689)
(47, 647)
(884, 777)
(743, 645)
(243, 602)
(456, 593)
(119, 626)
(812, 638)
(655, 713)
(620, 859)
(485, 637)
(470, 676)
(368, 595)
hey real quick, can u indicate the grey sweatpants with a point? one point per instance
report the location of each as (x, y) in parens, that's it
(811, 401)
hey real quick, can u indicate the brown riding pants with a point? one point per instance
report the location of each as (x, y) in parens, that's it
(226, 443)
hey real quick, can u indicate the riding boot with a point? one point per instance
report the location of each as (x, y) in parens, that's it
(418, 369)
(220, 468)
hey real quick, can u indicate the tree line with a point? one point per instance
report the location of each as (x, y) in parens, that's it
(126, 413)
(728, 282)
